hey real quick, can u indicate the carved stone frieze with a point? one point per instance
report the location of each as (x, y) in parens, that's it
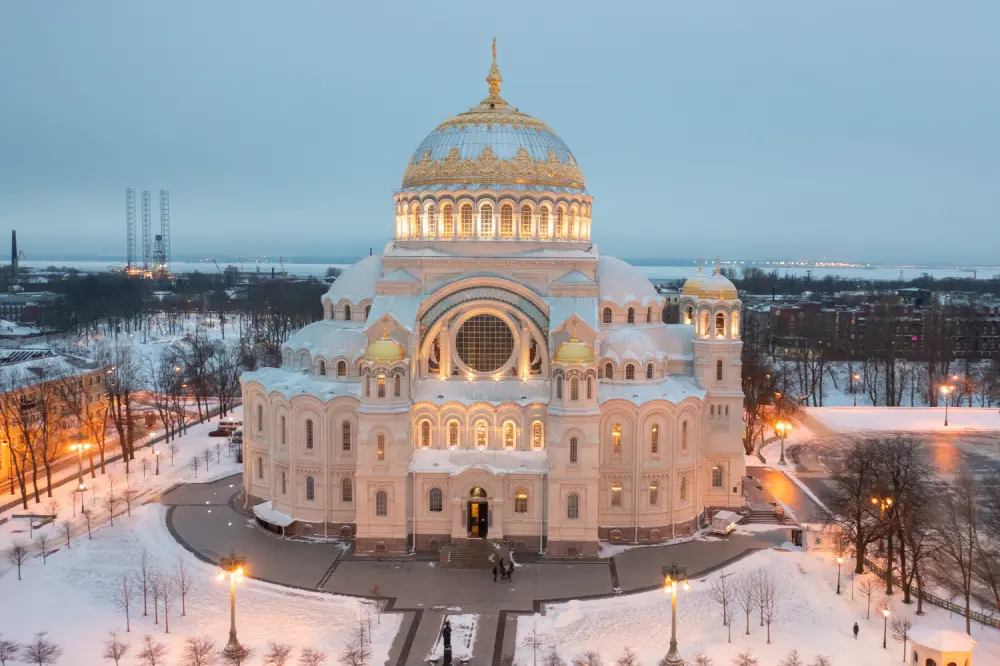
(488, 168)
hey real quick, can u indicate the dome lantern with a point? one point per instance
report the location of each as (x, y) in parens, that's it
(574, 350)
(385, 349)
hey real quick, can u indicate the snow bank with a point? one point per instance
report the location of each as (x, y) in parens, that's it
(904, 419)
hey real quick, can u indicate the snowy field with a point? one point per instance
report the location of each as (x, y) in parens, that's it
(903, 419)
(809, 617)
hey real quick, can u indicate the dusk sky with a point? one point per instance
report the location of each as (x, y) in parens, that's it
(856, 130)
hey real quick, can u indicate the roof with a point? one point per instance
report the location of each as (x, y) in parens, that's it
(439, 391)
(500, 463)
(674, 389)
(943, 640)
(357, 282)
(400, 275)
(33, 366)
(403, 309)
(574, 277)
(621, 283)
(266, 512)
(561, 309)
(329, 338)
(642, 342)
(291, 383)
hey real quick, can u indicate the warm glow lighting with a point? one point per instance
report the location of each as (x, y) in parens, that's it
(840, 560)
(885, 612)
(222, 575)
(687, 586)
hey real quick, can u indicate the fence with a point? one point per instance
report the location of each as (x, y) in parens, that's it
(981, 618)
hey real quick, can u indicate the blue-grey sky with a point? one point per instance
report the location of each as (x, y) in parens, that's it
(859, 129)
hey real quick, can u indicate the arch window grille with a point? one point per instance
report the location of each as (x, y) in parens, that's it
(345, 430)
(282, 435)
(607, 316)
(453, 433)
(559, 388)
(508, 435)
(616, 494)
(309, 434)
(654, 493)
(447, 221)
(322, 368)
(573, 506)
(482, 433)
(466, 214)
(654, 438)
(521, 501)
(381, 386)
(347, 313)
(609, 371)
(380, 446)
(425, 434)
(574, 449)
(381, 503)
(506, 221)
(649, 371)
(630, 316)
(716, 477)
(630, 371)
(346, 491)
(616, 439)
(543, 223)
(431, 221)
(486, 221)
(560, 223)
(536, 435)
(260, 467)
(684, 436)
(574, 389)
(284, 484)
(590, 388)
(341, 368)
(260, 418)
(415, 222)
(525, 221)
(436, 500)
(718, 370)
(397, 385)
(720, 325)
(310, 489)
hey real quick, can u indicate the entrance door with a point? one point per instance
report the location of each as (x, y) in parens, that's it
(479, 519)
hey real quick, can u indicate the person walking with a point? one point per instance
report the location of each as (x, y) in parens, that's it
(494, 574)
(510, 571)
(855, 631)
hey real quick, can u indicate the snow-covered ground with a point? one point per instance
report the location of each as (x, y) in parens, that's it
(463, 635)
(904, 419)
(810, 618)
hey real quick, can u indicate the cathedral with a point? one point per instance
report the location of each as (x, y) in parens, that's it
(492, 376)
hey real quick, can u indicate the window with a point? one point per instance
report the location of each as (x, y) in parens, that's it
(684, 488)
(310, 489)
(447, 222)
(486, 221)
(425, 434)
(727, 410)
(284, 484)
(716, 477)
(322, 368)
(381, 386)
(431, 222)
(574, 228)
(282, 434)
(718, 370)
(381, 503)
(345, 431)
(543, 223)
(521, 501)
(654, 439)
(649, 315)
(609, 371)
(466, 230)
(654, 493)
(453, 433)
(573, 506)
(560, 223)
(260, 467)
(436, 500)
(346, 491)
(689, 315)
(397, 384)
(616, 494)
(506, 221)
(735, 325)
(606, 317)
(574, 388)
(630, 316)
(590, 388)
(368, 310)
(341, 368)
(574, 450)
(380, 446)
(485, 343)
(309, 433)
(720, 325)
(684, 436)
(508, 435)
(347, 312)
(368, 387)
(616, 439)
(525, 221)
(630, 371)
(536, 435)
(260, 418)
(649, 371)
(558, 388)
(481, 434)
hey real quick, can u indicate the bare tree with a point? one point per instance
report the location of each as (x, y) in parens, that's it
(87, 517)
(853, 483)
(553, 658)
(868, 587)
(820, 660)
(144, 464)
(901, 625)
(311, 657)
(168, 592)
(376, 594)
(129, 496)
(722, 594)
(142, 578)
(173, 449)
(745, 658)
(156, 580)
(16, 555)
(153, 653)
(772, 594)
(41, 651)
(114, 649)
(121, 383)
(8, 651)
(53, 508)
(67, 531)
(199, 651)
(792, 659)
(111, 502)
(533, 642)
(207, 455)
(278, 654)
(43, 547)
(195, 463)
(589, 658)
(218, 453)
(745, 593)
(627, 658)
(701, 659)
(123, 599)
(183, 582)
(958, 534)
(238, 655)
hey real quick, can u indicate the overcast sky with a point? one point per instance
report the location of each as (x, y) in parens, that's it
(857, 130)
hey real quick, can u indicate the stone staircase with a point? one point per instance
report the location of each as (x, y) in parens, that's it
(765, 517)
(470, 554)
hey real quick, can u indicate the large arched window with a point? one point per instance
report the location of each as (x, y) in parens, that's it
(345, 434)
(284, 484)
(309, 433)
(720, 325)
(703, 332)
(559, 388)
(718, 370)
(346, 491)
(573, 506)
(574, 229)
(684, 488)
(482, 434)
(716, 477)
(654, 438)
(436, 500)
(525, 221)
(536, 435)
(506, 221)
(466, 230)
(425, 434)
(560, 223)
(574, 449)
(341, 368)
(282, 436)
(616, 494)
(310, 489)
(347, 313)
(649, 371)
(543, 223)
(431, 222)
(415, 226)
(734, 325)
(453, 433)
(689, 315)
(629, 371)
(521, 501)
(684, 436)
(649, 315)
(654, 493)
(322, 368)
(607, 316)
(260, 467)
(508, 435)
(486, 221)
(397, 384)
(609, 371)
(260, 418)
(381, 503)
(380, 381)
(616, 439)
(574, 388)
(380, 446)
(590, 388)
(630, 316)
(447, 221)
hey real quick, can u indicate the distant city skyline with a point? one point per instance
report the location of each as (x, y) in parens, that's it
(853, 132)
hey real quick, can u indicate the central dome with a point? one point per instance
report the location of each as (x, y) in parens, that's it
(493, 144)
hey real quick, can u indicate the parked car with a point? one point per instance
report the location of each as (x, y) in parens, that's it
(226, 428)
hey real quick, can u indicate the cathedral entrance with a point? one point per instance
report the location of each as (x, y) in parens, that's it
(479, 514)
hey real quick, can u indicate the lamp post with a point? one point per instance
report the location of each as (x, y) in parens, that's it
(885, 627)
(840, 560)
(79, 448)
(672, 575)
(10, 466)
(82, 488)
(782, 428)
(156, 454)
(854, 378)
(234, 568)
(945, 391)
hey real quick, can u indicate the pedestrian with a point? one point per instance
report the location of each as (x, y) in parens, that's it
(494, 574)
(510, 571)
(855, 631)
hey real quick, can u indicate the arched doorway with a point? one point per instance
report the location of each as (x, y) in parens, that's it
(479, 513)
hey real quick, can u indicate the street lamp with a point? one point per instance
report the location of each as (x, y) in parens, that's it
(840, 560)
(885, 626)
(883, 502)
(156, 454)
(945, 391)
(234, 567)
(79, 448)
(854, 378)
(782, 428)
(672, 575)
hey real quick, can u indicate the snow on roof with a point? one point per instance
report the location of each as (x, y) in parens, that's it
(400, 275)
(647, 342)
(574, 277)
(401, 308)
(357, 283)
(561, 309)
(266, 512)
(329, 339)
(500, 463)
(675, 389)
(621, 283)
(438, 391)
(292, 383)
(36, 365)
(943, 640)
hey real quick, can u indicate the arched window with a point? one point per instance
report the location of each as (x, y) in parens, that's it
(506, 221)
(543, 223)
(689, 315)
(536, 435)
(322, 368)
(560, 223)
(341, 368)
(609, 371)
(425, 434)
(649, 371)
(521, 501)
(368, 386)
(606, 316)
(447, 222)
(431, 221)
(260, 418)
(260, 467)
(573, 506)
(345, 433)
(381, 503)
(684, 488)
(704, 325)
(380, 446)
(654, 493)
(735, 325)
(525, 221)
(347, 312)
(283, 430)
(718, 370)
(590, 388)
(482, 434)
(397, 384)
(616, 494)
(309, 433)
(508, 435)
(574, 388)
(616, 439)
(436, 500)
(284, 484)
(630, 316)
(346, 491)
(629, 371)
(466, 230)
(720, 325)
(368, 310)
(381, 386)
(453, 433)
(654, 438)
(559, 388)
(684, 436)
(574, 449)
(649, 315)
(310, 489)
(574, 229)
(486, 221)
(716, 477)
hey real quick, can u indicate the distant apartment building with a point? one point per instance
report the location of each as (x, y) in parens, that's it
(26, 307)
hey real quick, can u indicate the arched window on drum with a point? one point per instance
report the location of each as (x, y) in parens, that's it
(447, 221)
(525, 221)
(466, 228)
(506, 221)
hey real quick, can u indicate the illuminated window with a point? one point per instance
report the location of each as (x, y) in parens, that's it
(381, 503)
(654, 438)
(346, 491)
(310, 489)
(521, 501)
(380, 446)
(536, 435)
(720, 325)
(466, 212)
(716, 477)
(484, 342)
(486, 221)
(560, 223)
(735, 326)
(506, 221)
(616, 439)
(559, 387)
(574, 388)
(447, 222)
(415, 226)
(543, 223)
(718, 370)
(606, 317)
(654, 493)
(322, 368)
(616, 494)
(341, 369)
(630, 316)
(453, 433)
(574, 449)
(689, 315)
(630, 371)
(481, 434)
(381, 386)
(508, 435)
(573, 506)
(309, 433)
(436, 500)
(431, 222)
(425, 434)
(574, 229)
(684, 488)
(525, 221)
(345, 431)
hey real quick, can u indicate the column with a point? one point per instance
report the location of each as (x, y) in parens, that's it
(445, 349)
(523, 358)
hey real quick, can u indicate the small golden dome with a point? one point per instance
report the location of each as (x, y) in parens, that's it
(712, 287)
(574, 350)
(385, 349)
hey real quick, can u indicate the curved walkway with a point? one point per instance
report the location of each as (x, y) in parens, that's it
(202, 518)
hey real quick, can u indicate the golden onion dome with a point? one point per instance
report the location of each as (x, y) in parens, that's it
(710, 286)
(574, 350)
(385, 349)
